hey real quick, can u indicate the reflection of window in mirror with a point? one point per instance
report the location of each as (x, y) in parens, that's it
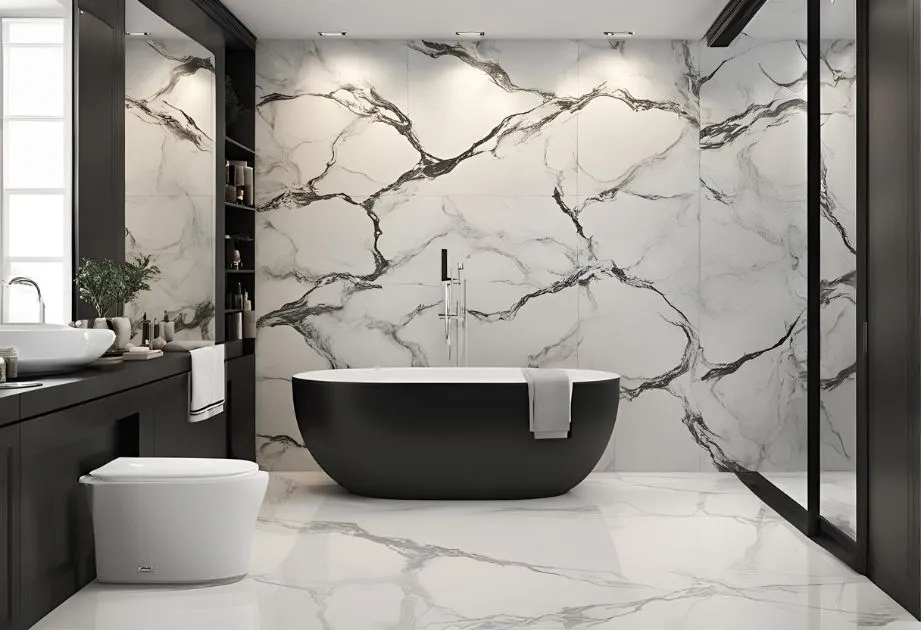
(35, 178)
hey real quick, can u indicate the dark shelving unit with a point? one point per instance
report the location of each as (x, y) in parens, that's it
(239, 220)
(239, 147)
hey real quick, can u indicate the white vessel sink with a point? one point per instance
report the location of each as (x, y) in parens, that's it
(54, 348)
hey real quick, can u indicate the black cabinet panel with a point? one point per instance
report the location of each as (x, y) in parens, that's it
(56, 534)
(99, 168)
(174, 435)
(241, 407)
(9, 527)
(894, 406)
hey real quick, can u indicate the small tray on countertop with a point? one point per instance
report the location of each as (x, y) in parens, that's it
(142, 356)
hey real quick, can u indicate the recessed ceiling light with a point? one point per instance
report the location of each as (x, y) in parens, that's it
(619, 33)
(137, 34)
(470, 33)
(331, 33)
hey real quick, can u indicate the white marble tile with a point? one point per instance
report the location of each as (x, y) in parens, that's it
(169, 179)
(511, 325)
(634, 206)
(510, 105)
(178, 232)
(753, 252)
(620, 551)
(840, 326)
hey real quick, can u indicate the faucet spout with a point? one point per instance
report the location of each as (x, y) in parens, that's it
(23, 281)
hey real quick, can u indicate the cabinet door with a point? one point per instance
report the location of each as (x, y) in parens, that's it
(9, 527)
(175, 436)
(241, 407)
(56, 534)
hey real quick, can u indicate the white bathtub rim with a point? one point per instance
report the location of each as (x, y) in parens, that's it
(441, 375)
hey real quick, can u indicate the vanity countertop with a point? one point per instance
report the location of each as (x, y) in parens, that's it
(65, 390)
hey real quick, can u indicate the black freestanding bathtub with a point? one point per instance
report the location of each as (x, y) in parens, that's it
(448, 433)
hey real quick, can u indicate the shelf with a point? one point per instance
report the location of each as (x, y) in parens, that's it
(239, 145)
(241, 271)
(239, 206)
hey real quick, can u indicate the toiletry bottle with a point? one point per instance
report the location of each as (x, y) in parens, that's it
(238, 297)
(145, 331)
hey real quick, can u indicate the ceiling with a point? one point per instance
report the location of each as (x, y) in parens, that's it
(140, 19)
(501, 19)
(527, 19)
(786, 19)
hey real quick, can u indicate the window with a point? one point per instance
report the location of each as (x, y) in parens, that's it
(35, 178)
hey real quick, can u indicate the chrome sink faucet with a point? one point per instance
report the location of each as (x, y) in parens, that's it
(21, 280)
(455, 312)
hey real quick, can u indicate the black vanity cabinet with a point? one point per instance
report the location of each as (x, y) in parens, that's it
(56, 532)
(241, 407)
(170, 433)
(9, 526)
(46, 532)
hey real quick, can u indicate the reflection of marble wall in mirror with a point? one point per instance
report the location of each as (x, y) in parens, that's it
(169, 178)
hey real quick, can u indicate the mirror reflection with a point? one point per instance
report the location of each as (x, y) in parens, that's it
(169, 171)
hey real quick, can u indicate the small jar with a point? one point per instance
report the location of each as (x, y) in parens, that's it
(10, 356)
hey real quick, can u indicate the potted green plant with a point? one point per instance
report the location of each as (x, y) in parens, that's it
(97, 283)
(135, 278)
(107, 286)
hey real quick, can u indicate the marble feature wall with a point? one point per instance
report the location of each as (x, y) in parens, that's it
(839, 265)
(754, 258)
(606, 199)
(169, 179)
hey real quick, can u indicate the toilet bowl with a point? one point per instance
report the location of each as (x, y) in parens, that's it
(169, 520)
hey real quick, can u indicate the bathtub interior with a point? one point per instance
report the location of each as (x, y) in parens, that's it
(441, 375)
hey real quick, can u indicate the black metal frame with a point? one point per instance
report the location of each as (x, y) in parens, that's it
(809, 519)
(731, 21)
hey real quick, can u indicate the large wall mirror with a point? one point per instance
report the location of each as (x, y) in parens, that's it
(170, 171)
(36, 158)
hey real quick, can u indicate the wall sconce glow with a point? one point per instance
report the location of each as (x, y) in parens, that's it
(137, 34)
(619, 34)
(331, 33)
(470, 33)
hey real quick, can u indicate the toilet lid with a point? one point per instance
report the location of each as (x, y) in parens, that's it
(171, 468)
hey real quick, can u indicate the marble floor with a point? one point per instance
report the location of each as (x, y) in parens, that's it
(837, 495)
(684, 551)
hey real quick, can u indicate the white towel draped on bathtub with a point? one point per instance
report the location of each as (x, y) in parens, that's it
(549, 403)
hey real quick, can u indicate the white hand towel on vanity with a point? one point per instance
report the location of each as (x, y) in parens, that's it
(208, 381)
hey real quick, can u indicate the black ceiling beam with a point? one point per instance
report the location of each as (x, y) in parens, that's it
(232, 26)
(731, 21)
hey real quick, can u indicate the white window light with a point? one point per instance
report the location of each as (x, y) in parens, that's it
(35, 174)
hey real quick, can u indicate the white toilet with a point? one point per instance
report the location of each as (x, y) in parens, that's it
(168, 520)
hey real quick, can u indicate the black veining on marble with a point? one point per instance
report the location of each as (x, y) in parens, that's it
(366, 103)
